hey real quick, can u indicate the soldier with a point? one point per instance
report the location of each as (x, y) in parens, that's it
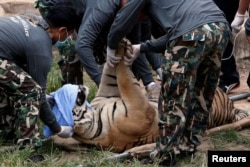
(25, 60)
(69, 63)
(194, 41)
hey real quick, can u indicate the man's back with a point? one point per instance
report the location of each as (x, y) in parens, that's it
(26, 44)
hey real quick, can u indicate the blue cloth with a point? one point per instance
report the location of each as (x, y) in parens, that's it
(65, 99)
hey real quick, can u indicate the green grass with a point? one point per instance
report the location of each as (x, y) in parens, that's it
(230, 137)
(56, 157)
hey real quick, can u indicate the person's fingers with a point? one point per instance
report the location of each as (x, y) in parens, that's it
(128, 61)
(116, 58)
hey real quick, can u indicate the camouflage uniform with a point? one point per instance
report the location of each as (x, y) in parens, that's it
(190, 76)
(69, 63)
(19, 105)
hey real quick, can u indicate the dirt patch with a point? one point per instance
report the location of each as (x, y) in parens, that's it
(16, 7)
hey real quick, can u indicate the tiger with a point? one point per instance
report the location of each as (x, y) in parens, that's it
(223, 110)
(122, 116)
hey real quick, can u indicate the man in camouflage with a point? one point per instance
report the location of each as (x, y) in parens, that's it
(180, 125)
(19, 104)
(195, 41)
(69, 63)
(25, 60)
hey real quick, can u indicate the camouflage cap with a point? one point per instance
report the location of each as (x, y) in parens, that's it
(44, 6)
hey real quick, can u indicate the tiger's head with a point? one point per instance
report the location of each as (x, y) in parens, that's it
(82, 112)
(81, 104)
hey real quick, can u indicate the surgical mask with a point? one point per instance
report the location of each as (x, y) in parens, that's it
(59, 44)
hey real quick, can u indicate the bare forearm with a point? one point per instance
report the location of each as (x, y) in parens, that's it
(243, 6)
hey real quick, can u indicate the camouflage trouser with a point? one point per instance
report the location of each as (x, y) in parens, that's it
(19, 105)
(71, 72)
(70, 65)
(190, 76)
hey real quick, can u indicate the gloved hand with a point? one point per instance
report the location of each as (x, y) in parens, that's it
(111, 58)
(66, 132)
(132, 56)
(237, 22)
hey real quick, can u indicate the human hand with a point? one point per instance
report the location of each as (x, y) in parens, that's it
(111, 58)
(237, 22)
(66, 132)
(128, 60)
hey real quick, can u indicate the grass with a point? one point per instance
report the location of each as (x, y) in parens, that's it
(55, 156)
(54, 77)
(229, 137)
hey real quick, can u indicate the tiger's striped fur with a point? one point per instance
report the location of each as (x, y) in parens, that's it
(122, 117)
(224, 111)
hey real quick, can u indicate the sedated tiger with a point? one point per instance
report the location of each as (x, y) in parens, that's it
(122, 117)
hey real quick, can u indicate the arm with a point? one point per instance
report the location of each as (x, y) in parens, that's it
(124, 21)
(243, 6)
(92, 25)
(39, 58)
(240, 15)
(155, 45)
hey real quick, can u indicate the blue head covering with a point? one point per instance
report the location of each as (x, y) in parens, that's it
(65, 99)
